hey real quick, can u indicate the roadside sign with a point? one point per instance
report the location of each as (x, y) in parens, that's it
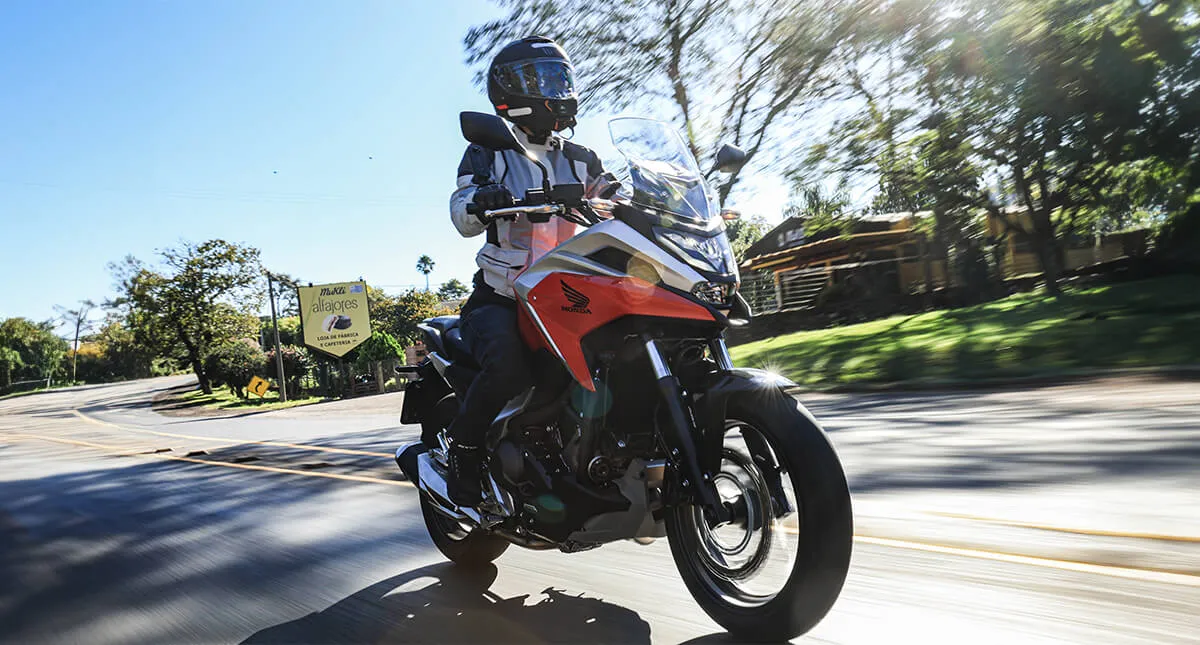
(258, 386)
(334, 317)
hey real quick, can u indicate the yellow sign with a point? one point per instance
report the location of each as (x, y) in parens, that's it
(335, 316)
(258, 386)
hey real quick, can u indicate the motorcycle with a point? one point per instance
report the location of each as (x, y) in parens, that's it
(639, 426)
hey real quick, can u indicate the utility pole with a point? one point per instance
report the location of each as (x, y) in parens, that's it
(278, 352)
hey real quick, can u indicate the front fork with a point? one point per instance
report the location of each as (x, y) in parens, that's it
(679, 434)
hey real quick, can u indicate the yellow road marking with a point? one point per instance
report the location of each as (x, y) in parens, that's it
(278, 444)
(225, 464)
(1145, 575)
(1066, 529)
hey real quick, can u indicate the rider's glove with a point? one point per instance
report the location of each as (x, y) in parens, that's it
(604, 186)
(490, 197)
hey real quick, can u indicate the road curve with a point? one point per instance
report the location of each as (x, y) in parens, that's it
(121, 525)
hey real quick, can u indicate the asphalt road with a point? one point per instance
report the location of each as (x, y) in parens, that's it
(1063, 515)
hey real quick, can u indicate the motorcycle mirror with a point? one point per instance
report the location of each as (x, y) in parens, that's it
(489, 131)
(729, 159)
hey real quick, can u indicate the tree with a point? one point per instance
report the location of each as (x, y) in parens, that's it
(425, 266)
(296, 364)
(400, 315)
(774, 57)
(289, 298)
(380, 347)
(34, 350)
(118, 354)
(452, 289)
(234, 363)
(743, 233)
(201, 300)
(77, 320)
(10, 362)
(1055, 100)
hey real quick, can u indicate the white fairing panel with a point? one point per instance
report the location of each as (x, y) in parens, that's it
(572, 257)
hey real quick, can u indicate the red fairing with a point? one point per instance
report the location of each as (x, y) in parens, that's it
(571, 306)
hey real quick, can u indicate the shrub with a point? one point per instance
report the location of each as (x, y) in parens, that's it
(296, 364)
(234, 364)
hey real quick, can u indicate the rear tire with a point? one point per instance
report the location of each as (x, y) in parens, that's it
(823, 538)
(468, 548)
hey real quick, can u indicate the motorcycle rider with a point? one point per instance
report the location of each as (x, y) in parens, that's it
(530, 83)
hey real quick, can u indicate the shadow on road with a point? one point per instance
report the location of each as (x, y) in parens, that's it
(447, 604)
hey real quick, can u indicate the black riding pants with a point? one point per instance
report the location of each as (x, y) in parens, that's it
(490, 330)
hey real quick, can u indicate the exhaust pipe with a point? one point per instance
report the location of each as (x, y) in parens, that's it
(406, 459)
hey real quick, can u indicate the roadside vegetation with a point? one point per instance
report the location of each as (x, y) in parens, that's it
(1147, 323)
(226, 400)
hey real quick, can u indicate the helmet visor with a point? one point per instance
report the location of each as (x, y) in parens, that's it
(547, 78)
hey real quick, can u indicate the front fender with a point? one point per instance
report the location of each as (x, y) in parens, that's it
(761, 388)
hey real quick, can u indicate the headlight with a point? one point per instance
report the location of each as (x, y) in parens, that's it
(710, 254)
(714, 293)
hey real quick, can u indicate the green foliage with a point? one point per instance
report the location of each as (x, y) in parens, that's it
(234, 363)
(32, 351)
(725, 72)
(10, 361)
(1057, 106)
(453, 289)
(744, 232)
(297, 362)
(400, 315)
(114, 354)
(203, 297)
(425, 266)
(1179, 238)
(289, 331)
(381, 346)
(825, 214)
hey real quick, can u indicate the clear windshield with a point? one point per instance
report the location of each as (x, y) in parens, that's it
(663, 172)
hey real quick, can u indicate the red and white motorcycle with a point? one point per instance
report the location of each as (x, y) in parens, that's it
(639, 425)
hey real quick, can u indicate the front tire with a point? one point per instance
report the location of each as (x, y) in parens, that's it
(817, 536)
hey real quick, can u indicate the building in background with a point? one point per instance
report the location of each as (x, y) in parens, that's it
(889, 254)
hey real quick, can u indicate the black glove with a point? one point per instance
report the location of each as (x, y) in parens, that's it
(490, 197)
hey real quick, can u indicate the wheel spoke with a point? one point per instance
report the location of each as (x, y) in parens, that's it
(746, 560)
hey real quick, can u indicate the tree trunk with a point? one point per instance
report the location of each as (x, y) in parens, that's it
(927, 265)
(201, 376)
(1046, 247)
(1047, 256)
(379, 376)
(943, 245)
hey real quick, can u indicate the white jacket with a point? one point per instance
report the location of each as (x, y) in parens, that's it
(513, 245)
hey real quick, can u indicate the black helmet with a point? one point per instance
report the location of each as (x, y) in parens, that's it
(531, 83)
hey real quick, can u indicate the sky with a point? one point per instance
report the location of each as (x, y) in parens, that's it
(324, 134)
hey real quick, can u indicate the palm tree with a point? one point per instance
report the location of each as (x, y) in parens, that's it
(425, 265)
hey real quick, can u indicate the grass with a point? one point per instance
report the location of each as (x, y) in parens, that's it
(40, 390)
(1147, 323)
(223, 399)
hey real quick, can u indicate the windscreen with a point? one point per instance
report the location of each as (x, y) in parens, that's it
(663, 173)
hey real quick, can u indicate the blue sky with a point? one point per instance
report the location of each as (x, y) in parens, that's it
(323, 133)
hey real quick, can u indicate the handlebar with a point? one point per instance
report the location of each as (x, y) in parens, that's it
(594, 204)
(541, 209)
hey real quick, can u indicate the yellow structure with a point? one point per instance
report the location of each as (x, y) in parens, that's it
(258, 386)
(334, 317)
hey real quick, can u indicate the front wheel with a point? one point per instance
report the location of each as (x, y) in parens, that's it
(774, 572)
